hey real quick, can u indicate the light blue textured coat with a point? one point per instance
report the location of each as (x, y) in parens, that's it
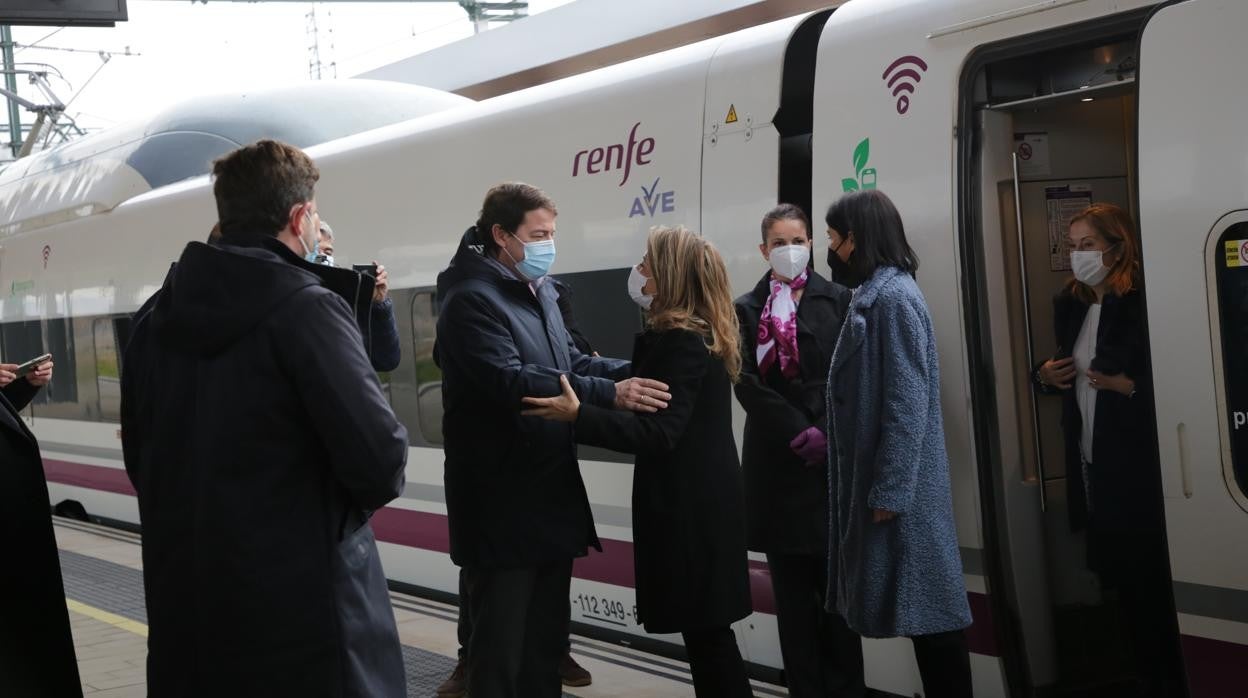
(902, 577)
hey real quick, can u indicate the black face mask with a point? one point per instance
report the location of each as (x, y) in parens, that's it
(841, 271)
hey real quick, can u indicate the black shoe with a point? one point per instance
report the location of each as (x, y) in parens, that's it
(455, 686)
(573, 674)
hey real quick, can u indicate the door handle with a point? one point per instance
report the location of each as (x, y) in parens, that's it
(1184, 476)
(1031, 360)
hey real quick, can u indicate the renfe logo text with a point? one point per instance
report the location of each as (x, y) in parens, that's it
(615, 157)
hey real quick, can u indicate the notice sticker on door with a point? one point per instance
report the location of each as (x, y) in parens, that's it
(1236, 253)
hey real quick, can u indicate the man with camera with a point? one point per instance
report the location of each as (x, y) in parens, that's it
(378, 325)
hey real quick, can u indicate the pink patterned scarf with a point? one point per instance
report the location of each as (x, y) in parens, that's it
(777, 328)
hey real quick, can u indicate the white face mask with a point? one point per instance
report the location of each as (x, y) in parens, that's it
(1089, 266)
(789, 261)
(636, 281)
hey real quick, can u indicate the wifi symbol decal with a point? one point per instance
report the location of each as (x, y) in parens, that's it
(903, 76)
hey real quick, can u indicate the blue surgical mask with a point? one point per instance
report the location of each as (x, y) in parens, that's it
(538, 258)
(313, 253)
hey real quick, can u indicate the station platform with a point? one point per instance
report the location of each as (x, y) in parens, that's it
(102, 568)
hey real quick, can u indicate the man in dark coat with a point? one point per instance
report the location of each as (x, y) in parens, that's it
(258, 441)
(516, 503)
(36, 648)
(571, 673)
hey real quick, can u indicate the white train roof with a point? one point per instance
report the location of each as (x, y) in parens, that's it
(100, 171)
(580, 37)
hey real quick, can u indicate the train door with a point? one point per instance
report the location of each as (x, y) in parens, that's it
(1193, 180)
(1049, 127)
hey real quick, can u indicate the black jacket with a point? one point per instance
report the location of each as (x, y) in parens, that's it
(36, 648)
(569, 318)
(514, 493)
(383, 335)
(1126, 471)
(688, 528)
(786, 499)
(257, 439)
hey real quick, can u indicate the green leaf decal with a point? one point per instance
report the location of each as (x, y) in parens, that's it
(849, 184)
(861, 153)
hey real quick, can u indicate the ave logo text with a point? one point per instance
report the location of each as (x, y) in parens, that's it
(652, 201)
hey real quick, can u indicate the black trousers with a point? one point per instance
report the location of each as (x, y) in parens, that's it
(518, 630)
(822, 656)
(944, 664)
(716, 664)
(463, 629)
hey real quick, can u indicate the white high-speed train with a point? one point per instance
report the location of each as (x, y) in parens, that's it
(987, 121)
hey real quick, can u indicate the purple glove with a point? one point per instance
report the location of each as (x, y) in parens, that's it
(811, 445)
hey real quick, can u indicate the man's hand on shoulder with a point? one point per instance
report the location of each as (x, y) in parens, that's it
(641, 395)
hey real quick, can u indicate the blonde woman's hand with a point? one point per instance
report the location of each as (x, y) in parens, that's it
(562, 408)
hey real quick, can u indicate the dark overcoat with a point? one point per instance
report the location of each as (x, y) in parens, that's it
(1125, 478)
(36, 648)
(514, 493)
(786, 501)
(688, 524)
(258, 441)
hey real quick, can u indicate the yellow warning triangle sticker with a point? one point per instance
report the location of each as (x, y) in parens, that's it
(732, 114)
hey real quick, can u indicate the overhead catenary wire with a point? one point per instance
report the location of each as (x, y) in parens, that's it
(87, 83)
(102, 51)
(20, 47)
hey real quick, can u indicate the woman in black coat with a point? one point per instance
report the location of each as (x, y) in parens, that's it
(1113, 480)
(789, 326)
(688, 528)
(36, 647)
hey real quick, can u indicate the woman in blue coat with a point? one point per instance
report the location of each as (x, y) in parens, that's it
(894, 568)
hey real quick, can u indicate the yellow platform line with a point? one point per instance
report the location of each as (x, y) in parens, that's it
(111, 618)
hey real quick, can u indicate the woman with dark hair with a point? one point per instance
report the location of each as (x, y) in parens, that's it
(1102, 371)
(688, 531)
(894, 567)
(789, 325)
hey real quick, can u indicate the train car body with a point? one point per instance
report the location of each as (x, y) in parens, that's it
(984, 120)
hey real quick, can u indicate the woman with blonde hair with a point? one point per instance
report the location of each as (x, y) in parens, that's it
(688, 523)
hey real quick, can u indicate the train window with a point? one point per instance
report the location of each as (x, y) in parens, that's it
(428, 375)
(1231, 272)
(107, 369)
(64, 386)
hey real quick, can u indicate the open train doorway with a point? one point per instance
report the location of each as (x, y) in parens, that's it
(1048, 129)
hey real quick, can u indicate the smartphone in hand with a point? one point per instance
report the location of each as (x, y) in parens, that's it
(369, 270)
(30, 366)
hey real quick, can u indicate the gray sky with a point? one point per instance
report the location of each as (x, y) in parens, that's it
(190, 49)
